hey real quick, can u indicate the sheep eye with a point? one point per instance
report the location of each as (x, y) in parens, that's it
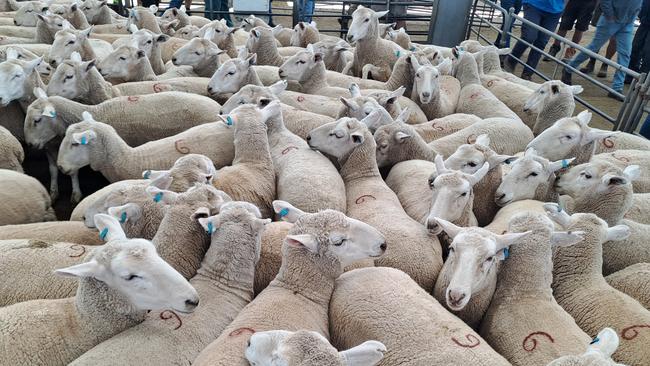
(131, 277)
(68, 77)
(75, 144)
(417, 75)
(431, 183)
(338, 244)
(588, 176)
(463, 194)
(490, 259)
(60, 25)
(367, 20)
(37, 120)
(217, 31)
(149, 42)
(19, 56)
(29, 11)
(541, 92)
(197, 53)
(568, 137)
(451, 250)
(70, 43)
(16, 76)
(301, 62)
(123, 58)
(231, 73)
(472, 164)
(533, 174)
(242, 102)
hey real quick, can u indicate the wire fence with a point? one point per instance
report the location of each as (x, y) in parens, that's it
(486, 15)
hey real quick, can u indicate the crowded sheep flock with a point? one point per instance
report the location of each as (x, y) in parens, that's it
(284, 197)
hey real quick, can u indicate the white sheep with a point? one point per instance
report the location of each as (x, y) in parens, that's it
(26, 15)
(337, 54)
(46, 27)
(25, 198)
(145, 18)
(552, 101)
(150, 42)
(17, 81)
(599, 352)
(97, 12)
(127, 64)
(230, 262)
(386, 305)
(22, 53)
(308, 348)
(226, 38)
(113, 275)
(201, 54)
(580, 288)
(11, 151)
(412, 248)
(183, 18)
(633, 281)
(61, 231)
(436, 92)
(624, 158)
(315, 251)
(304, 34)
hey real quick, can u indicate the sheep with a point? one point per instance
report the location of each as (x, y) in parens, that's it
(12, 154)
(222, 35)
(187, 32)
(623, 158)
(143, 17)
(68, 41)
(530, 177)
(350, 142)
(524, 284)
(148, 41)
(72, 13)
(399, 142)
(308, 348)
(513, 95)
(21, 53)
(436, 93)
(282, 35)
(128, 64)
(168, 27)
(97, 12)
(386, 305)
(552, 101)
(492, 66)
(25, 197)
(374, 57)
(599, 352)
(304, 177)
(201, 54)
(183, 18)
(61, 231)
(580, 288)
(633, 281)
(17, 32)
(230, 263)
(17, 81)
(113, 28)
(99, 145)
(262, 42)
(401, 38)
(336, 55)
(304, 34)
(474, 98)
(499, 224)
(108, 276)
(314, 253)
(468, 277)
(26, 16)
(46, 27)
(606, 190)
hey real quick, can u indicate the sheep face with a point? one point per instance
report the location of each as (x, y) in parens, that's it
(358, 107)
(172, 14)
(42, 124)
(595, 230)
(565, 136)
(54, 23)
(427, 83)
(196, 52)
(595, 177)
(19, 53)
(191, 169)
(187, 32)
(547, 93)
(14, 79)
(599, 351)
(64, 10)
(250, 94)
(469, 158)
(65, 43)
(221, 32)
(231, 76)
(26, 14)
(68, 78)
(92, 9)
(298, 67)
(338, 138)
(299, 33)
(121, 63)
(365, 24)
(259, 38)
(132, 267)
(75, 149)
(251, 22)
(390, 139)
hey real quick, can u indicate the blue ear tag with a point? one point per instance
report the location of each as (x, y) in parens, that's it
(397, 53)
(210, 227)
(123, 218)
(158, 197)
(506, 253)
(229, 121)
(596, 340)
(413, 48)
(103, 233)
(53, 114)
(83, 140)
(565, 163)
(146, 174)
(284, 212)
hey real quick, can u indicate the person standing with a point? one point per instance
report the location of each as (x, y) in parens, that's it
(617, 21)
(576, 12)
(215, 6)
(544, 13)
(640, 57)
(507, 4)
(305, 10)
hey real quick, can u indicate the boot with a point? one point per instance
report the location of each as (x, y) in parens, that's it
(555, 48)
(602, 73)
(566, 77)
(590, 66)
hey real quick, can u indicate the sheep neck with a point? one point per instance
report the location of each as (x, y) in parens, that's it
(142, 71)
(104, 16)
(401, 76)
(467, 72)
(156, 60)
(311, 35)
(545, 192)
(95, 89)
(102, 311)
(78, 20)
(230, 261)
(267, 52)
(228, 45)
(315, 79)
(207, 67)
(175, 225)
(415, 148)
(361, 162)
(110, 158)
(582, 154)
(610, 206)
(67, 113)
(528, 269)
(558, 108)
(251, 142)
(43, 33)
(33, 81)
(86, 51)
(252, 78)
(491, 63)
(183, 19)
(308, 274)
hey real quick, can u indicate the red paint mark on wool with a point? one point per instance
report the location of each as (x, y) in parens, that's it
(158, 87)
(607, 141)
(181, 149)
(289, 148)
(530, 346)
(300, 99)
(77, 247)
(473, 341)
(362, 199)
(620, 158)
(475, 95)
(631, 332)
(168, 314)
(437, 128)
(471, 139)
(490, 83)
(133, 98)
(241, 331)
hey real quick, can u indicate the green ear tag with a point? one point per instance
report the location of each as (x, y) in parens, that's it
(146, 174)
(397, 53)
(103, 233)
(123, 218)
(229, 121)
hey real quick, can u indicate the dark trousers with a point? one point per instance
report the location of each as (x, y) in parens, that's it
(536, 38)
(507, 4)
(640, 56)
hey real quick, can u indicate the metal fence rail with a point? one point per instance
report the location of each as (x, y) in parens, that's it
(632, 108)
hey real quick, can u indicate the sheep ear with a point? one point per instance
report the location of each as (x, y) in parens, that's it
(210, 224)
(440, 164)
(530, 152)
(357, 137)
(73, 7)
(594, 134)
(286, 211)
(403, 116)
(201, 212)
(618, 233)
(401, 137)
(566, 238)
(86, 32)
(12, 53)
(133, 28)
(307, 241)
(380, 14)
(479, 174)
(40, 93)
(614, 180)
(278, 87)
(49, 111)
(392, 96)
(349, 103)
(87, 117)
(557, 214)
(109, 228)
(153, 9)
(451, 229)
(84, 138)
(576, 89)
(255, 33)
(161, 38)
(175, 11)
(129, 212)
(30, 66)
(318, 57)
(632, 172)
(182, 9)
(301, 25)
(160, 195)
(483, 139)
(209, 34)
(367, 353)
(584, 118)
(86, 269)
(162, 179)
(508, 239)
(497, 159)
(252, 59)
(605, 343)
(354, 90)
(87, 66)
(554, 166)
(271, 109)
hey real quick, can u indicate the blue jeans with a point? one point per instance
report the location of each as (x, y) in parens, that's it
(507, 4)
(176, 4)
(305, 10)
(645, 129)
(604, 31)
(217, 5)
(536, 38)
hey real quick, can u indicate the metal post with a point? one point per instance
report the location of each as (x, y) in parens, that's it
(448, 22)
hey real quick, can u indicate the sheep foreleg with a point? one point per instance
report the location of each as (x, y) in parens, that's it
(76, 189)
(54, 174)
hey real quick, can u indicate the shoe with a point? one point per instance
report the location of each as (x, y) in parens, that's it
(628, 80)
(552, 51)
(566, 77)
(526, 76)
(615, 96)
(602, 73)
(590, 67)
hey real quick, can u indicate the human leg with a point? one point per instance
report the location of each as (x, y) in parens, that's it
(528, 34)
(624, 48)
(547, 21)
(609, 54)
(603, 32)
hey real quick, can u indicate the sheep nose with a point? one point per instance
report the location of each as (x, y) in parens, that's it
(350, 37)
(383, 247)
(432, 225)
(500, 197)
(15, 22)
(221, 112)
(456, 296)
(308, 137)
(426, 94)
(209, 89)
(174, 60)
(280, 72)
(191, 304)
(53, 63)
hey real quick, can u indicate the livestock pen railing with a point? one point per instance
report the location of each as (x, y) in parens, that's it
(485, 16)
